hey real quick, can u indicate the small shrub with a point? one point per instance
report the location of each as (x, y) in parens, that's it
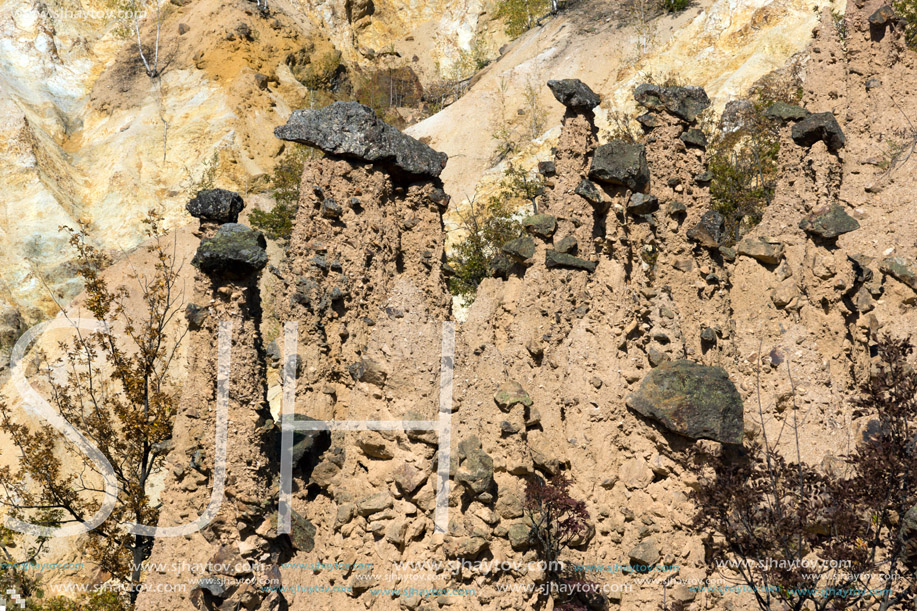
(743, 168)
(908, 10)
(801, 538)
(277, 223)
(520, 15)
(487, 227)
(555, 521)
(675, 6)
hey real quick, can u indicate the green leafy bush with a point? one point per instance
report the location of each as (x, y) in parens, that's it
(743, 168)
(908, 10)
(675, 6)
(277, 224)
(520, 15)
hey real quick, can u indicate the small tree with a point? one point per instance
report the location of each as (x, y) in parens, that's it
(802, 539)
(277, 224)
(486, 228)
(116, 392)
(556, 520)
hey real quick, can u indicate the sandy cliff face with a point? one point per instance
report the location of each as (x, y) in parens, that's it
(88, 137)
(548, 355)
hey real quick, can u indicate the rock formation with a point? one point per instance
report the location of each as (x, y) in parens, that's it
(223, 436)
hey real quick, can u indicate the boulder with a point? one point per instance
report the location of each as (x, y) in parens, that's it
(235, 251)
(553, 258)
(781, 111)
(883, 16)
(697, 401)
(520, 249)
(694, 137)
(542, 225)
(216, 206)
(762, 249)
(621, 163)
(900, 269)
(829, 222)
(574, 94)
(684, 103)
(641, 203)
(353, 131)
(709, 229)
(819, 126)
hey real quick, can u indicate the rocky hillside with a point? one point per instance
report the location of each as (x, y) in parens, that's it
(569, 356)
(624, 328)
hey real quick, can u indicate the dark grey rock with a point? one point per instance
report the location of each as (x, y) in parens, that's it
(693, 400)
(819, 126)
(500, 265)
(308, 444)
(900, 269)
(439, 197)
(694, 137)
(677, 208)
(542, 225)
(553, 259)
(883, 16)
(574, 94)
(235, 251)
(547, 168)
(331, 209)
(649, 121)
(566, 245)
(709, 229)
(216, 206)
(829, 222)
(641, 203)
(621, 163)
(520, 249)
(302, 532)
(781, 111)
(588, 191)
(682, 102)
(351, 130)
(196, 315)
